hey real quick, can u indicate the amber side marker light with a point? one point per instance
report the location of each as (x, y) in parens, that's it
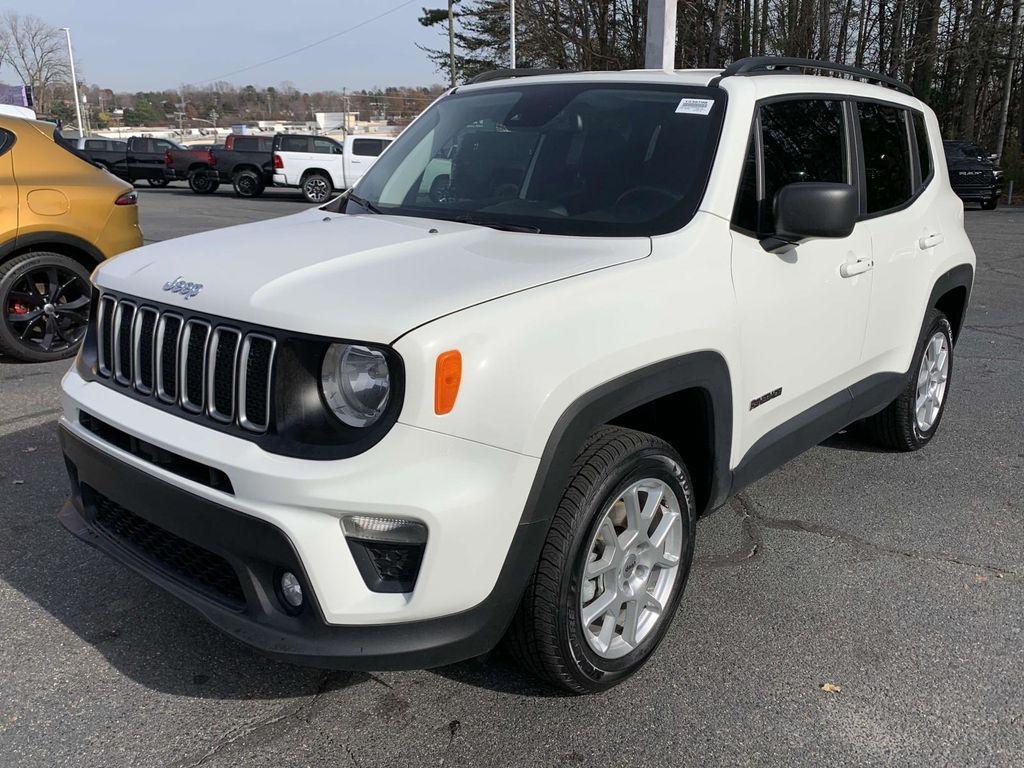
(447, 377)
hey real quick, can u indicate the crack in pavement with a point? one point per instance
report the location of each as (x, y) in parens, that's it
(234, 736)
(753, 522)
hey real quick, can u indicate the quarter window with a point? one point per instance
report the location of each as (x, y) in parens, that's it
(924, 149)
(887, 171)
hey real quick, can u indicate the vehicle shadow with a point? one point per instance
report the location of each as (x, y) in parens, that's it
(852, 439)
(141, 631)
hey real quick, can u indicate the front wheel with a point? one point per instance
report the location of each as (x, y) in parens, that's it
(45, 302)
(910, 421)
(613, 567)
(317, 188)
(158, 182)
(248, 184)
(202, 182)
(990, 205)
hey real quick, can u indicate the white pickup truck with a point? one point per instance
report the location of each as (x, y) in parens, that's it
(319, 165)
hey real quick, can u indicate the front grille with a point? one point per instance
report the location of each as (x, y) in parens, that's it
(198, 567)
(198, 365)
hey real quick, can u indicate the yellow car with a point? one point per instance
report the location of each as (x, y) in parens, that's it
(60, 216)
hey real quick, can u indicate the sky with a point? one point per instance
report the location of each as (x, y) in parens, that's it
(156, 45)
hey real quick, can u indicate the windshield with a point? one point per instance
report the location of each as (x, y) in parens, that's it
(568, 158)
(964, 150)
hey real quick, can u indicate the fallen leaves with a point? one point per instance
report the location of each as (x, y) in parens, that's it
(831, 688)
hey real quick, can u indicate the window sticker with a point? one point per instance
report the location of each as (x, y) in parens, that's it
(695, 106)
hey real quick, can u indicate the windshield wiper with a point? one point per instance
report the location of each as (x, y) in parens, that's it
(363, 202)
(503, 226)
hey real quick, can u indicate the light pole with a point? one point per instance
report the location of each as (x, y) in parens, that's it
(74, 82)
(512, 33)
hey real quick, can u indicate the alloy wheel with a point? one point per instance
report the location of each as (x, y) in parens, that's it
(931, 381)
(47, 309)
(631, 568)
(316, 189)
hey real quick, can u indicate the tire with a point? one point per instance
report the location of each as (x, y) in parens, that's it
(898, 426)
(548, 635)
(158, 182)
(990, 205)
(247, 184)
(317, 188)
(202, 182)
(33, 327)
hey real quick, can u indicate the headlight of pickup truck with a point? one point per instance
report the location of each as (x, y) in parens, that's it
(356, 383)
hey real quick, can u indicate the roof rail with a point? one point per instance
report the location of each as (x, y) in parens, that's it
(504, 74)
(774, 65)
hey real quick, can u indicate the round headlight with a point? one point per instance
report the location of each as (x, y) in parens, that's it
(356, 383)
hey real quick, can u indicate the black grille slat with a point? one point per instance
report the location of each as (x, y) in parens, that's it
(202, 569)
(193, 365)
(223, 365)
(169, 357)
(257, 363)
(145, 330)
(105, 321)
(123, 342)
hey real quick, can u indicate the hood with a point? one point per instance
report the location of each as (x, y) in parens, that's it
(362, 277)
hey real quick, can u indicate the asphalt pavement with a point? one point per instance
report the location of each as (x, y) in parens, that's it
(896, 578)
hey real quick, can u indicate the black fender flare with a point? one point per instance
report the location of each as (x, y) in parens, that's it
(960, 276)
(701, 370)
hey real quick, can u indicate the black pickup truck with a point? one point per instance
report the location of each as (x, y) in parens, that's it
(133, 160)
(246, 162)
(973, 173)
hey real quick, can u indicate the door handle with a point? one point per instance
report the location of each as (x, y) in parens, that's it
(930, 241)
(856, 267)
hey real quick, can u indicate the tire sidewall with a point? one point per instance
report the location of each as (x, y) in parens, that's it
(8, 275)
(247, 184)
(592, 671)
(938, 323)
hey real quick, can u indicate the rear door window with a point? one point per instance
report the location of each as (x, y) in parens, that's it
(96, 144)
(326, 147)
(886, 150)
(294, 144)
(367, 147)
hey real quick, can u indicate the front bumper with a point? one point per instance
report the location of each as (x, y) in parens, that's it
(257, 552)
(471, 497)
(979, 194)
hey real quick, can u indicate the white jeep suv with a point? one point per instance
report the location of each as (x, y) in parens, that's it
(391, 431)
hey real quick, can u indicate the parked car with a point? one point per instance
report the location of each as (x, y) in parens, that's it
(974, 173)
(60, 216)
(193, 164)
(245, 162)
(319, 165)
(139, 158)
(388, 431)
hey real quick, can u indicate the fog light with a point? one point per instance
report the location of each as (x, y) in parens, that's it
(291, 590)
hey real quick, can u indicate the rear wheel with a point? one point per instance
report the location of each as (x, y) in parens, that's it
(248, 184)
(45, 302)
(202, 182)
(317, 188)
(910, 421)
(613, 567)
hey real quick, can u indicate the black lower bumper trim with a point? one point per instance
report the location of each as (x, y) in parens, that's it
(258, 552)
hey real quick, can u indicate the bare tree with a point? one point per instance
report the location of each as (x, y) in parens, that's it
(37, 53)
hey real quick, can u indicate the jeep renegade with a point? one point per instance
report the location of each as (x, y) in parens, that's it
(487, 393)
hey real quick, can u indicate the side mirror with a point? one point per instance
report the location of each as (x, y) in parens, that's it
(812, 209)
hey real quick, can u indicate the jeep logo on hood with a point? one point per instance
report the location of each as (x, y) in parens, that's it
(184, 287)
